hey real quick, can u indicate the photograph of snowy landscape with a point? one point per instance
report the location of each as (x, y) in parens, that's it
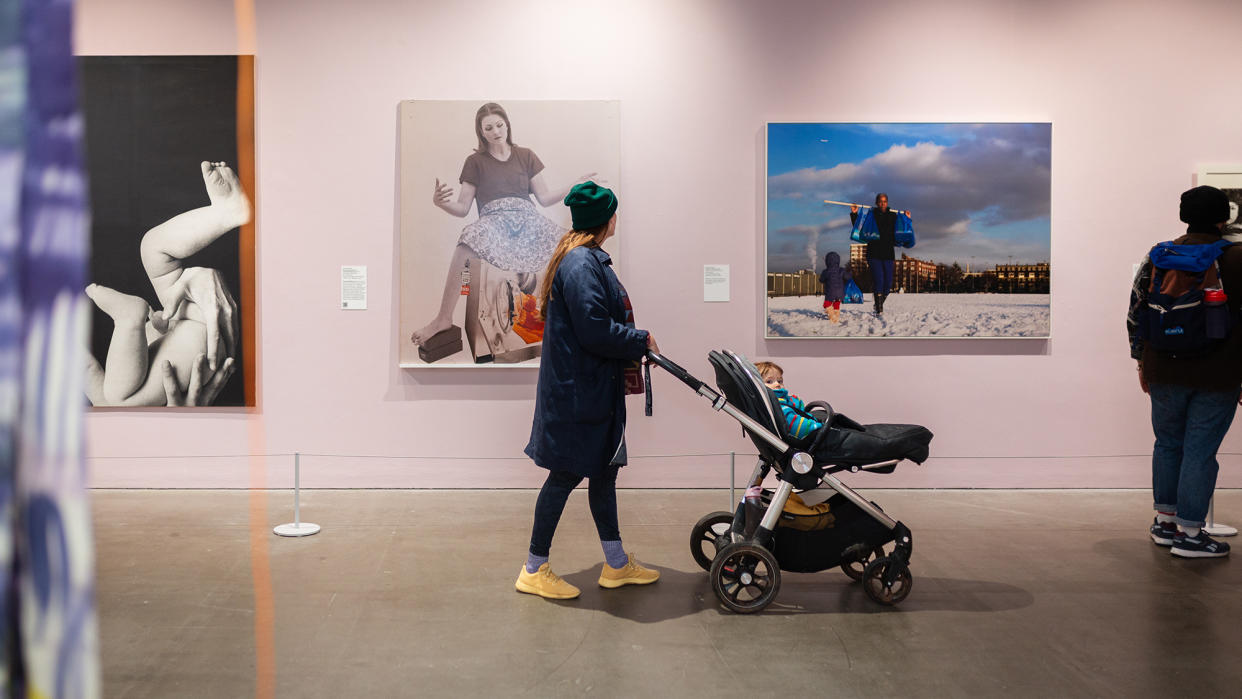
(908, 230)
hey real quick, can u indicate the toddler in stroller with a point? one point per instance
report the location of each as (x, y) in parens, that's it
(829, 524)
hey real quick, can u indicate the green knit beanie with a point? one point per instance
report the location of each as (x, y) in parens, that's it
(590, 205)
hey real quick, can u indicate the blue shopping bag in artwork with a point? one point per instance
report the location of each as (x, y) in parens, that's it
(865, 229)
(852, 293)
(903, 232)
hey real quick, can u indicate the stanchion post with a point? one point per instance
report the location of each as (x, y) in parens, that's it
(298, 528)
(732, 479)
(1214, 529)
(297, 489)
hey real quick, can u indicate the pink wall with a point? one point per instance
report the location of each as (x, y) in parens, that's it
(1139, 94)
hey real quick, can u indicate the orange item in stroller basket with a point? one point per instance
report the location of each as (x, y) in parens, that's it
(806, 518)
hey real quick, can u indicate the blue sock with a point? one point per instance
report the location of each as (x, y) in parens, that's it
(533, 562)
(614, 553)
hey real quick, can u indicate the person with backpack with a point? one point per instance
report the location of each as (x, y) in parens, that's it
(1185, 335)
(834, 278)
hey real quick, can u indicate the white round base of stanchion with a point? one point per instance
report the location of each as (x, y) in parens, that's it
(1221, 530)
(301, 529)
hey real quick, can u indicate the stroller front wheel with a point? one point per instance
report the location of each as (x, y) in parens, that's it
(855, 564)
(745, 577)
(876, 587)
(709, 535)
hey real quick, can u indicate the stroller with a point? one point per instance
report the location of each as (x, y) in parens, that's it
(745, 551)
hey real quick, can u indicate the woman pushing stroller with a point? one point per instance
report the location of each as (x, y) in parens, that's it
(589, 343)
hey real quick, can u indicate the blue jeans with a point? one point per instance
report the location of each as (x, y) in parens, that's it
(1189, 424)
(601, 494)
(881, 276)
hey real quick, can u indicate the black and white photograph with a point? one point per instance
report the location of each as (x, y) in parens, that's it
(482, 184)
(170, 155)
(1233, 227)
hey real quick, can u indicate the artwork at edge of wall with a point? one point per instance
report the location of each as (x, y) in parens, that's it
(1227, 178)
(963, 252)
(170, 157)
(483, 226)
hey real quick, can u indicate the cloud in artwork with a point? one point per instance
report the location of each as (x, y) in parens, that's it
(802, 247)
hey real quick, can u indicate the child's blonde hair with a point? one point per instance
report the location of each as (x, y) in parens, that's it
(767, 368)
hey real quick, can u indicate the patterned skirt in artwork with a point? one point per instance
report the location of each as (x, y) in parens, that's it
(511, 235)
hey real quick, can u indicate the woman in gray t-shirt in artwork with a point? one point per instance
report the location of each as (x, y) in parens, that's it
(510, 233)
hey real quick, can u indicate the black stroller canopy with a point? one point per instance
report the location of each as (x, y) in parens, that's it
(744, 388)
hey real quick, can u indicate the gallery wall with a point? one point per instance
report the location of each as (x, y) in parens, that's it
(1139, 95)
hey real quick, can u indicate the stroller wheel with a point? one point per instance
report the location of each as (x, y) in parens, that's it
(856, 563)
(873, 582)
(745, 577)
(708, 536)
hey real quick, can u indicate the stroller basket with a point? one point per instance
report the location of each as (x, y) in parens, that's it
(745, 557)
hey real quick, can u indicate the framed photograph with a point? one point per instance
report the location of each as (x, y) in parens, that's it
(908, 230)
(170, 157)
(482, 184)
(1228, 179)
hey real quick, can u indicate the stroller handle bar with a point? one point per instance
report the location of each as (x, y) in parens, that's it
(718, 400)
(671, 367)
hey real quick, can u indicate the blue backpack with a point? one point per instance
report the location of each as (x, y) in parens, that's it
(1176, 319)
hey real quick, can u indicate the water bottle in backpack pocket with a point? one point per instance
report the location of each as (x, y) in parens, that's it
(1216, 313)
(1186, 313)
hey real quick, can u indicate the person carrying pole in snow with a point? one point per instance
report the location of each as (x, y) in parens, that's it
(880, 255)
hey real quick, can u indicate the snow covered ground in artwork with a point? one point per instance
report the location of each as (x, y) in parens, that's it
(915, 315)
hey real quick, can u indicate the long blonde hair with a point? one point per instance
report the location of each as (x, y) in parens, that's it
(572, 239)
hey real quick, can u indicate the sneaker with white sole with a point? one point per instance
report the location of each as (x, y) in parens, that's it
(629, 574)
(1163, 533)
(1201, 546)
(545, 583)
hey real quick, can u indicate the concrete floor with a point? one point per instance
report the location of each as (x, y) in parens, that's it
(410, 593)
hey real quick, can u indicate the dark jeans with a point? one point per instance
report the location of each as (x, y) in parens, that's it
(1189, 425)
(601, 494)
(881, 276)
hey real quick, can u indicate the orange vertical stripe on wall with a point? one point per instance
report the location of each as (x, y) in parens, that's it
(246, 247)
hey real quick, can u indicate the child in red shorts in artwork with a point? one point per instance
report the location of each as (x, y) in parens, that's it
(833, 278)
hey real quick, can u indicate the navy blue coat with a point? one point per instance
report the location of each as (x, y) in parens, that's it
(580, 401)
(834, 277)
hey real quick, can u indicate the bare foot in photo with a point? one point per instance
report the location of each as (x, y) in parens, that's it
(126, 311)
(226, 195)
(429, 330)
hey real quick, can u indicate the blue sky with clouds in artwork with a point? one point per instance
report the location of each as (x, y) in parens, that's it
(979, 193)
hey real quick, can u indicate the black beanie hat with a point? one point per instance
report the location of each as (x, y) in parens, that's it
(591, 205)
(1204, 205)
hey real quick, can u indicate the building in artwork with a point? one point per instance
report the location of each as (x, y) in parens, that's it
(913, 276)
(1024, 278)
(804, 282)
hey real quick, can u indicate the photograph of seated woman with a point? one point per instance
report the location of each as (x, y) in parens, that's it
(880, 255)
(498, 179)
(182, 354)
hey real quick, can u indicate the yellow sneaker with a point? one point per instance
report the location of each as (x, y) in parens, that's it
(545, 583)
(630, 574)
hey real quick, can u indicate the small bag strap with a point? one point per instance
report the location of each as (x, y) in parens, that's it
(647, 383)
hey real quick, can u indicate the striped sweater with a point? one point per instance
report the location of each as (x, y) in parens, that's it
(798, 422)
